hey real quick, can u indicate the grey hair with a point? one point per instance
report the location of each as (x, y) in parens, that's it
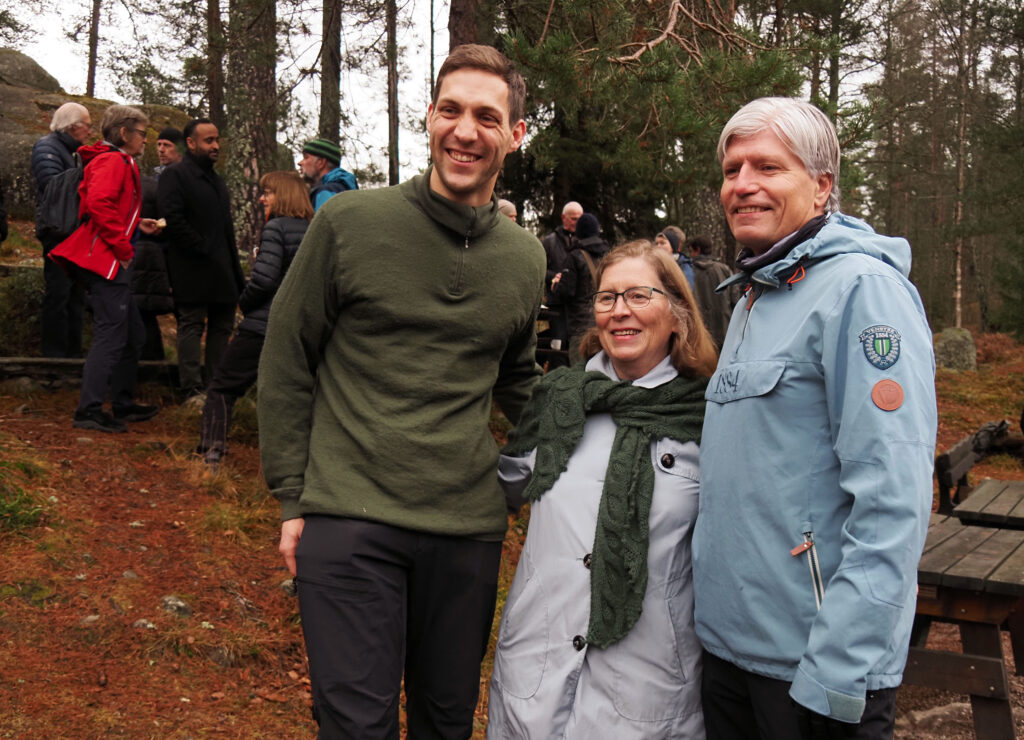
(67, 116)
(117, 117)
(803, 128)
(572, 205)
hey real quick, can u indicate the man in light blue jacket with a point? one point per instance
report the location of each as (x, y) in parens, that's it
(817, 449)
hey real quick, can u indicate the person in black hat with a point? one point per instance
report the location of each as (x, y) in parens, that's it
(170, 145)
(319, 167)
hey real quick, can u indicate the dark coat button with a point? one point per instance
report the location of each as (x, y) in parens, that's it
(579, 642)
(668, 460)
(586, 560)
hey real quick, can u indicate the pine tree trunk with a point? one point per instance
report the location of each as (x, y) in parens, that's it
(330, 78)
(252, 110)
(462, 26)
(392, 52)
(215, 44)
(94, 42)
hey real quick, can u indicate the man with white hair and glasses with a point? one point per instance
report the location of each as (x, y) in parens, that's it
(817, 448)
(63, 300)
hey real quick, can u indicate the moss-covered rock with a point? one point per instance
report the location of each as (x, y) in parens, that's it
(955, 350)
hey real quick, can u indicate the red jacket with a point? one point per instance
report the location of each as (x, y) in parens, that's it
(111, 197)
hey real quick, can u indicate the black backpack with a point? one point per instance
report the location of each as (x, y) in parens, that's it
(57, 211)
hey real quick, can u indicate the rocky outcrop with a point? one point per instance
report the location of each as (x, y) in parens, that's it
(30, 96)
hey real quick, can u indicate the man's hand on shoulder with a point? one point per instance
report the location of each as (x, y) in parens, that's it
(291, 533)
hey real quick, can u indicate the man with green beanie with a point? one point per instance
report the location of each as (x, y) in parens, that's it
(320, 167)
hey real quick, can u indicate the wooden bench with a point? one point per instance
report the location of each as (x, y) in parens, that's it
(971, 576)
(951, 467)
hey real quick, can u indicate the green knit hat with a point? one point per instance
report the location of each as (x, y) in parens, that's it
(323, 148)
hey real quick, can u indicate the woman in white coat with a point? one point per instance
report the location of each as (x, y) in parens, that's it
(597, 636)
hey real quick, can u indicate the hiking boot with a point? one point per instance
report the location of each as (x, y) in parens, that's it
(97, 419)
(135, 412)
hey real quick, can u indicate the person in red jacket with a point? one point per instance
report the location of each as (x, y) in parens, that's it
(98, 254)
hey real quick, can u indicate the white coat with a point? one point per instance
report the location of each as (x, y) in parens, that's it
(547, 682)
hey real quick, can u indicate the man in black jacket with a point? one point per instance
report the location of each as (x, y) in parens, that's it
(64, 300)
(202, 259)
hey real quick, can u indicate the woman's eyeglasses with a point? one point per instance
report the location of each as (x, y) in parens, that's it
(637, 297)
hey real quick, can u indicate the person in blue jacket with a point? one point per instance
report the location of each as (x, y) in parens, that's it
(817, 449)
(320, 167)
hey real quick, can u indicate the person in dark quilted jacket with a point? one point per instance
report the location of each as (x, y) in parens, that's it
(288, 212)
(64, 299)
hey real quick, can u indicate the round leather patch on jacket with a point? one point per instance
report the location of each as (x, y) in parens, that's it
(887, 395)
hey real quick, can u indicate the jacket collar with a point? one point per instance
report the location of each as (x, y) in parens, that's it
(201, 163)
(466, 221)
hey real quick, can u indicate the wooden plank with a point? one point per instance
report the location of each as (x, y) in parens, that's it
(1015, 625)
(973, 506)
(958, 605)
(973, 571)
(1001, 504)
(954, 464)
(940, 529)
(993, 718)
(949, 671)
(936, 561)
(1015, 518)
(1008, 578)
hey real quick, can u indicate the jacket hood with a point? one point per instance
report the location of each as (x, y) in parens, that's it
(91, 151)
(343, 176)
(841, 234)
(596, 245)
(705, 262)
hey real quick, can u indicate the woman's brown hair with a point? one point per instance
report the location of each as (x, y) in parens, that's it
(291, 197)
(691, 348)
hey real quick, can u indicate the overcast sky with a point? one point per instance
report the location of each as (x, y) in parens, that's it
(362, 95)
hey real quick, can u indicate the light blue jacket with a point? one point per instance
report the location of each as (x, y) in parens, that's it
(820, 428)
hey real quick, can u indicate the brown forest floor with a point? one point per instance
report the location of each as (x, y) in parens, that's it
(96, 530)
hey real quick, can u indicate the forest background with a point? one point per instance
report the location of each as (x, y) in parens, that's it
(625, 103)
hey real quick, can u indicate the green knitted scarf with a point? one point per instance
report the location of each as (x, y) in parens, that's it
(553, 423)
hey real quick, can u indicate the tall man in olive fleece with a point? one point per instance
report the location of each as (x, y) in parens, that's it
(406, 311)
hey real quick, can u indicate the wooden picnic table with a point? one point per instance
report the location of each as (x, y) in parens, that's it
(971, 576)
(994, 503)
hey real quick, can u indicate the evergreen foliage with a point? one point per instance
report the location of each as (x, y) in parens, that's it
(622, 122)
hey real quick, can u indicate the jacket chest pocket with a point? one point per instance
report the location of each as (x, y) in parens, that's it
(741, 380)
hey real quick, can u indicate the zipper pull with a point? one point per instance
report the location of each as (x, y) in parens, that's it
(467, 241)
(802, 548)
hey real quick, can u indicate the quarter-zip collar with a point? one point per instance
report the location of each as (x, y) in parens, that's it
(466, 221)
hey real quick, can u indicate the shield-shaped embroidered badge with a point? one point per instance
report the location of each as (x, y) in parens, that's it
(881, 345)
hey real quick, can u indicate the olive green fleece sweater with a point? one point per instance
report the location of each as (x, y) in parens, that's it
(402, 314)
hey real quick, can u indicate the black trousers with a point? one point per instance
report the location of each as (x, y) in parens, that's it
(377, 599)
(218, 319)
(118, 336)
(232, 378)
(63, 309)
(739, 705)
(153, 349)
